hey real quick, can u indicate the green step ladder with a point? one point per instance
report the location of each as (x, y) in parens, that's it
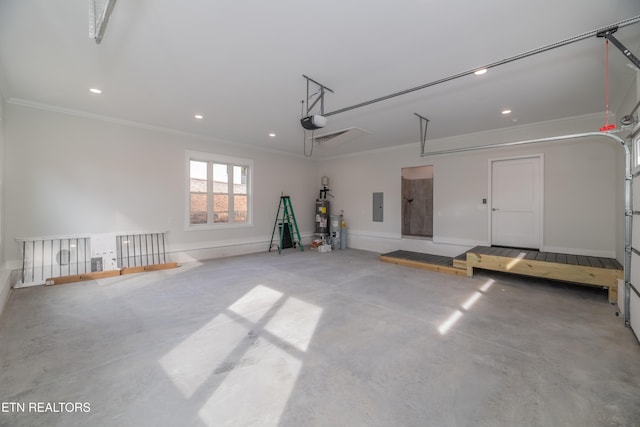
(286, 218)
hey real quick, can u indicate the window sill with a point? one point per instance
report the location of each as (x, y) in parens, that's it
(218, 226)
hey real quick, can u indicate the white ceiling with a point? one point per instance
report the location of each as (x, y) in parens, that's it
(240, 64)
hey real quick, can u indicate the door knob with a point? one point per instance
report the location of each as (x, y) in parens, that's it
(495, 209)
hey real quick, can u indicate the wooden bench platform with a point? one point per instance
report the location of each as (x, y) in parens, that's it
(584, 270)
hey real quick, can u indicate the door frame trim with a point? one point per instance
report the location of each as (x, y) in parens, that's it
(540, 156)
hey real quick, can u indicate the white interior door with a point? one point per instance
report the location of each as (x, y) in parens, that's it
(516, 202)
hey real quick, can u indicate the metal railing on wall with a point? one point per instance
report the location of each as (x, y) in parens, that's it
(44, 258)
(141, 249)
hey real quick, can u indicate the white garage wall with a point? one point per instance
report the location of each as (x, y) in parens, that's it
(69, 174)
(5, 285)
(580, 178)
(634, 298)
(625, 107)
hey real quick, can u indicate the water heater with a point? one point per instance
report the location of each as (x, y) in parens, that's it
(322, 216)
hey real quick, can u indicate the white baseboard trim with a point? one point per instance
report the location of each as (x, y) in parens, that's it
(200, 251)
(372, 234)
(460, 242)
(388, 242)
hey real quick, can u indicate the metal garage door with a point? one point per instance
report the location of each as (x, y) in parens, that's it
(634, 292)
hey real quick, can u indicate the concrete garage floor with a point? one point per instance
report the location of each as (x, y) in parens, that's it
(310, 339)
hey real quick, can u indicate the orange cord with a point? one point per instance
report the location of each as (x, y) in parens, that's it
(607, 126)
(606, 44)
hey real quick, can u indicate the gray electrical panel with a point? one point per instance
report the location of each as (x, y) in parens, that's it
(377, 207)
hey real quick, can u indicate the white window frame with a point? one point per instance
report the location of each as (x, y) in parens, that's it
(216, 158)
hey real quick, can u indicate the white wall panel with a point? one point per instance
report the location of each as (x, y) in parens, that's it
(5, 285)
(580, 175)
(634, 310)
(635, 233)
(76, 175)
(72, 175)
(635, 187)
(635, 269)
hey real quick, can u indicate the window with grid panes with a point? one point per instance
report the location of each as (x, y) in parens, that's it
(219, 190)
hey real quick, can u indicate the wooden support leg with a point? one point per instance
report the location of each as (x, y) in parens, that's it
(613, 294)
(469, 271)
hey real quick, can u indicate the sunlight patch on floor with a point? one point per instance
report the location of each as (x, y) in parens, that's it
(190, 363)
(295, 322)
(255, 393)
(244, 363)
(255, 302)
(457, 314)
(451, 320)
(472, 300)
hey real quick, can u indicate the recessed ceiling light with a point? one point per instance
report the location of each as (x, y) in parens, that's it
(480, 71)
(505, 112)
(94, 90)
(272, 135)
(199, 116)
